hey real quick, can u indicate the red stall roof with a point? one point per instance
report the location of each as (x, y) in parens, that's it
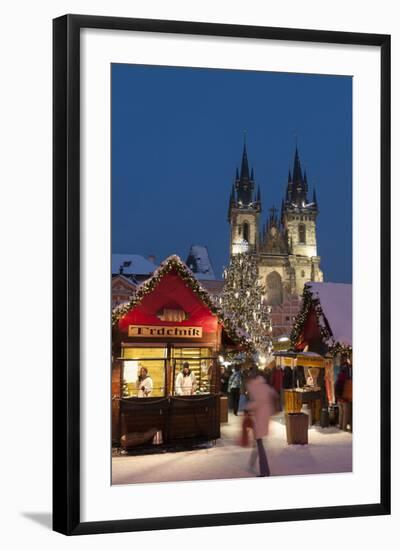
(326, 314)
(174, 286)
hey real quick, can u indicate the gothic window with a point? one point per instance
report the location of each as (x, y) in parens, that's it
(303, 273)
(246, 231)
(302, 233)
(274, 289)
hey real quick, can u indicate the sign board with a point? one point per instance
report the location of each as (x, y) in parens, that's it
(151, 331)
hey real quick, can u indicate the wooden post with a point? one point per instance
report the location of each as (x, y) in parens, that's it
(116, 392)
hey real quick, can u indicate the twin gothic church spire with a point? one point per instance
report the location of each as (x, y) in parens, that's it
(297, 186)
(244, 184)
(246, 199)
(285, 245)
(243, 192)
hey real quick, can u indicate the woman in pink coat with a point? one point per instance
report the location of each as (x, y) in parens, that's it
(262, 407)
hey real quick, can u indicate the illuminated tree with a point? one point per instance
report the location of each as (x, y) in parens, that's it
(242, 299)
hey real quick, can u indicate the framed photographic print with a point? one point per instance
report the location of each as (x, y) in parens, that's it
(221, 274)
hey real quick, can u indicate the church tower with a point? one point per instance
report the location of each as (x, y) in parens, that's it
(299, 217)
(244, 210)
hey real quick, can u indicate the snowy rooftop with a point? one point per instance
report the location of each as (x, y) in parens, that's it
(336, 303)
(132, 264)
(130, 280)
(199, 262)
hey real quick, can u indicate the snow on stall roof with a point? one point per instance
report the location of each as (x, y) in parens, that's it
(336, 303)
(133, 264)
(199, 262)
(223, 315)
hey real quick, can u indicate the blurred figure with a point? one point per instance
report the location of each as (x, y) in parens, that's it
(224, 379)
(185, 383)
(144, 383)
(261, 405)
(234, 384)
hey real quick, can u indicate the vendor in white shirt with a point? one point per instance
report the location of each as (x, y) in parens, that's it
(144, 383)
(185, 383)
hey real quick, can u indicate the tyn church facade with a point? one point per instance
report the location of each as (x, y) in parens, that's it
(286, 245)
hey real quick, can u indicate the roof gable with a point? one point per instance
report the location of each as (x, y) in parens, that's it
(331, 306)
(174, 285)
(335, 300)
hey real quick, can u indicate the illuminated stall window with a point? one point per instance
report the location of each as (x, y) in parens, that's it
(154, 360)
(200, 362)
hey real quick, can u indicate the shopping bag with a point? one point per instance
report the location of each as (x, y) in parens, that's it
(247, 426)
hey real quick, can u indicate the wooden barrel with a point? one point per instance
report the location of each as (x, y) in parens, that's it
(292, 401)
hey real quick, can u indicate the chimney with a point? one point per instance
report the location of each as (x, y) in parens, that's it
(151, 258)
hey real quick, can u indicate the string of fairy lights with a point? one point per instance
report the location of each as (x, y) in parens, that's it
(175, 264)
(243, 299)
(241, 309)
(310, 301)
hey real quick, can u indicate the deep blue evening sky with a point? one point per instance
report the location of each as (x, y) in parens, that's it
(177, 137)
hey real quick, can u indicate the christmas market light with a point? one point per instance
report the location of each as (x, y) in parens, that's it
(243, 301)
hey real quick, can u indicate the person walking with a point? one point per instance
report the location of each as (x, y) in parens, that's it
(234, 385)
(261, 406)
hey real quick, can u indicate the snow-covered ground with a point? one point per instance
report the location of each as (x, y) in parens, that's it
(328, 450)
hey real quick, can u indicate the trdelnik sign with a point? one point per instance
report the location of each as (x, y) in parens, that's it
(151, 331)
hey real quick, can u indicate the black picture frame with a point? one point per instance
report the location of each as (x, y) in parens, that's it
(66, 272)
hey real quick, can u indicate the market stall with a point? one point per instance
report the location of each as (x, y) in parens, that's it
(166, 343)
(324, 326)
(304, 382)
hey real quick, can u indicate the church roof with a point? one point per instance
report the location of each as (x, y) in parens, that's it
(244, 184)
(297, 188)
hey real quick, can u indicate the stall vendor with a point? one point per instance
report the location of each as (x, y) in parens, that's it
(185, 383)
(144, 383)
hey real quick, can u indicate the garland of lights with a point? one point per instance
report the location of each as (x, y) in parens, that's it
(309, 300)
(175, 264)
(343, 349)
(243, 299)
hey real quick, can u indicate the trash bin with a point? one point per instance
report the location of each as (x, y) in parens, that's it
(324, 420)
(296, 428)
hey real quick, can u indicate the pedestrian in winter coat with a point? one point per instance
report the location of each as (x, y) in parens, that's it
(234, 384)
(262, 399)
(185, 383)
